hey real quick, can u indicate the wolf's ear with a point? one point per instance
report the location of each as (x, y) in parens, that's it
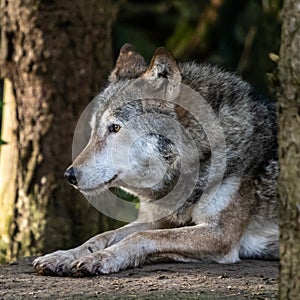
(130, 64)
(163, 65)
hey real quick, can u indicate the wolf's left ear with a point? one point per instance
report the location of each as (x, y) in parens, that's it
(130, 64)
(163, 65)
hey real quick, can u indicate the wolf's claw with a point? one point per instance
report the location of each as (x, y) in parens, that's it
(57, 263)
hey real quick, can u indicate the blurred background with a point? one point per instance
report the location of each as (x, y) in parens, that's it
(55, 57)
(238, 35)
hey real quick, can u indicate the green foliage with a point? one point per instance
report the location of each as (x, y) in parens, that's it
(125, 196)
(238, 35)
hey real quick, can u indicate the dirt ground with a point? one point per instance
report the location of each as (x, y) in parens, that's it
(250, 279)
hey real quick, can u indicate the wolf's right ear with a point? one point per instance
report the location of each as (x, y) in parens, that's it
(163, 65)
(130, 64)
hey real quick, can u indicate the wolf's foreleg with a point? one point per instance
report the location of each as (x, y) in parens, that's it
(59, 262)
(181, 244)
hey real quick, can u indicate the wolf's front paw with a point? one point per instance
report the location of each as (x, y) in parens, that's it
(56, 263)
(103, 262)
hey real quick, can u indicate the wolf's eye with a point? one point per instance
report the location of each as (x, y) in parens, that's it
(114, 128)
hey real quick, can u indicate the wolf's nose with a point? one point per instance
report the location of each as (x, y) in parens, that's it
(70, 176)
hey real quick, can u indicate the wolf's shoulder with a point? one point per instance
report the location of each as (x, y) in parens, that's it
(209, 75)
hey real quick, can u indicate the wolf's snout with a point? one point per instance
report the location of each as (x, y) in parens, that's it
(70, 176)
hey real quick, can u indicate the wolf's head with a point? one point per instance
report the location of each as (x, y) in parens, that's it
(133, 128)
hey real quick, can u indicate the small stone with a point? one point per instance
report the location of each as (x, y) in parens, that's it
(224, 275)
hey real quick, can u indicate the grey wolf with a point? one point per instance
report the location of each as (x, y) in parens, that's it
(238, 220)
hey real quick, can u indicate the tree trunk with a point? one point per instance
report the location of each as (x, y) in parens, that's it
(289, 140)
(55, 56)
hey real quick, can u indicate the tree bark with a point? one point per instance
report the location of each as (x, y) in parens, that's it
(289, 152)
(56, 55)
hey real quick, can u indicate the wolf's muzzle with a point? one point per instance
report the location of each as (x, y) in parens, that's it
(70, 176)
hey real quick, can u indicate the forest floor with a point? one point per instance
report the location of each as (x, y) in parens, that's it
(249, 279)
